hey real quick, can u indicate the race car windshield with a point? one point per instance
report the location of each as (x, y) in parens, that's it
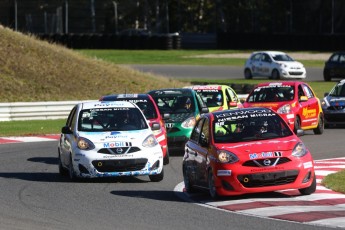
(175, 104)
(282, 57)
(338, 91)
(249, 128)
(111, 119)
(272, 94)
(212, 99)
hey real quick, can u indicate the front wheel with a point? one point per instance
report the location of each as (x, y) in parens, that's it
(309, 190)
(211, 186)
(166, 158)
(297, 125)
(157, 177)
(320, 126)
(275, 75)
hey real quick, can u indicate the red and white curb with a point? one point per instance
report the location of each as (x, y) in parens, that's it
(7, 140)
(324, 207)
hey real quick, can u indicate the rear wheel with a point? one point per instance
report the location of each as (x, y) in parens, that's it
(211, 186)
(248, 74)
(309, 190)
(320, 126)
(157, 177)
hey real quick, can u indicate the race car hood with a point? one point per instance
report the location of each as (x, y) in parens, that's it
(290, 64)
(178, 117)
(117, 138)
(246, 149)
(271, 105)
(336, 101)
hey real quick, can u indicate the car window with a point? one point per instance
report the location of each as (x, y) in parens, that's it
(256, 57)
(272, 94)
(175, 103)
(266, 58)
(71, 117)
(338, 90)
(282, 57)
(197, 130)
(212, 98)
(308, 91)
(111, 119)
(231, 95)
(342, 58)
(205, 134)
(148, 109)
(334, 58)
(240, 128)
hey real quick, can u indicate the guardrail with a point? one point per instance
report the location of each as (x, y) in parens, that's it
(49, 110)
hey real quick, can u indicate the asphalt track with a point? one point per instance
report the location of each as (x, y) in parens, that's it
(34, 196)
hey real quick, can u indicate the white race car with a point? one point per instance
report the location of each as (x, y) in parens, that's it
(274, 65)
(109, 139)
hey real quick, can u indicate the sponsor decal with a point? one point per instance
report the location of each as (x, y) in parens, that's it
(266, 169)
(265, 155)
(308, 165)
(307, 113)
(116, 144)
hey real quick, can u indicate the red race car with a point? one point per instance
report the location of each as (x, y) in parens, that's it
(248, 150)
(148, 106)
(295, 101)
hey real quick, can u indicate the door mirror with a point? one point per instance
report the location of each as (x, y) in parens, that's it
(300, 132)
(232, 104)
(204, 110)
(166, 116)
(326, 94)
(66, 130)
(155, 126)
(303, 98)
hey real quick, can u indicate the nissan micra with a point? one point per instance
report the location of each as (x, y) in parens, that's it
(109, 139)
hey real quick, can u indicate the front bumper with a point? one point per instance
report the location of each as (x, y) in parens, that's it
(243, 180)
(91, 164)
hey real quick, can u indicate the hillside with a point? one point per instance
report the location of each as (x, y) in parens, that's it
(35, 70)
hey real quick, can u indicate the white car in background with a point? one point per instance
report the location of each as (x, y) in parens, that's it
(109, 139)
(274, 65)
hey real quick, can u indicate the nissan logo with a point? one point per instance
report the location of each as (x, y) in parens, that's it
(267, 162)
(119, 150)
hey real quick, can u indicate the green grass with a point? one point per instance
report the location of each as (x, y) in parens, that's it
(179, 57)
(335, 181)
(28, 128)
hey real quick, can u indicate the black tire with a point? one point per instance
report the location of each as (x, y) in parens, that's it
(297, 125)
(212, 189)
(326, 75)
(188, 185)
(71, 172)
(275, 75)
(320, 126)
(166, 159)
(248, 74)
(62, 171)
(157, 177)
(309, 190)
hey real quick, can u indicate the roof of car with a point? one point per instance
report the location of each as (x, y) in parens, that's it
(171, 91)
(270, 52)
(107, 104)
(124, 97)
(278, 83)
(242, 111)
(205, 87)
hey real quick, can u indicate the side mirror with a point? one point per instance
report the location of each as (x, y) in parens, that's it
(204, 110)
(155, 126)
(300, 132)
(66, 130)
(166, 116)
(326, 94)
(232, 104)
(303, 98)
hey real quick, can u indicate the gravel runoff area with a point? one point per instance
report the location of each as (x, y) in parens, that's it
(295, 55)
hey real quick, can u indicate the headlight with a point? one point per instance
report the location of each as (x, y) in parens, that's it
(150, 141)
(300, 150)
(85, 144)
(188, 123)
(284, 109)
(226, 157)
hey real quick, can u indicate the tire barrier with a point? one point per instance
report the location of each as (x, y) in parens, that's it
(114, 41)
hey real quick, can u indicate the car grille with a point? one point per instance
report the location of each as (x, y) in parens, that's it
(120, 165)
(336, 107)
(296, 73)
(268, 179)
(266, 162)
(335, 117)
(123, 150)
(173, 130)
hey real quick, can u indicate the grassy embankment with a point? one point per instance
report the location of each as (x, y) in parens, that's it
(33, 70)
